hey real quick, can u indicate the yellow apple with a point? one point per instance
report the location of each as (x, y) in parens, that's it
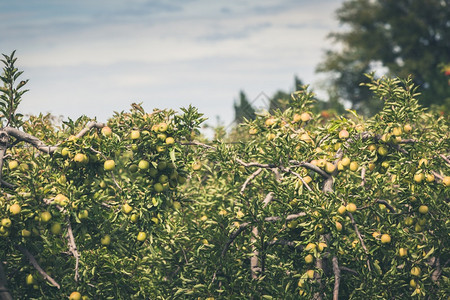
(75, 295)
(423, 209)
(106, 131)
(309, 258)
(343, 134)
(15, 209)
(351, 207)
(135, 134)
(141, 236)
(109, 165)
(385, 238)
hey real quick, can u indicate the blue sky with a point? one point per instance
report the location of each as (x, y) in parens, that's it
(96, 57)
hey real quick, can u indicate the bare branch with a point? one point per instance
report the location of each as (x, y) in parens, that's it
(445, 158)
(268, 198)
(250, 178)
(73, 248)
(345, 269)
(360, 238)
(254, 261)
(253, 164)
(35, 264)
(391, 209)
(88, 127)
(310, 167)
(337, 278)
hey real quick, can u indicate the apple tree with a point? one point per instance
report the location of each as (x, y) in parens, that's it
(81, 202)
(302, 207)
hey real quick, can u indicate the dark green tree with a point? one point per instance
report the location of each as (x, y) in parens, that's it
(243, 109)
(402, 36)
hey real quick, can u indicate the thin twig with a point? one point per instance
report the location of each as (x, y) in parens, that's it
(250, 178)
(73, 248)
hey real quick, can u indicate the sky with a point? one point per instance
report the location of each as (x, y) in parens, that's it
(92, 58)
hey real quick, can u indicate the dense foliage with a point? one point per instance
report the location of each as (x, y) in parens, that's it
(403, 36)
(297, 206)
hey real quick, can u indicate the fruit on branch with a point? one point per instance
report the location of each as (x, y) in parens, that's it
(109, 165)
(353, 166)
(143, 165)
(141, 236)
(385, 238)
(310, 274)
(342, 209)
(56, 228)
(45, 216)
(423, 209)
(106, 131)
(351, 207)
(75, 296)
(6, 222)
(135, 134)
(15, 209)
(81, 158)
(13, 164)
(321, 246)
(343, 134)
(105, 240)
(407, 128)
(446, 180)
(305, 117)
(382, 151)
(402, 252)
(126, 208)
(415, 271)
(310, 247)
(196, 166)
(309, 258)
(419, 177)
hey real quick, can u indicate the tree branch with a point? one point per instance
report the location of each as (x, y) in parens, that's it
(4, 292)
(337, 278)
(35, 264)
(250, 178)
(73, 248)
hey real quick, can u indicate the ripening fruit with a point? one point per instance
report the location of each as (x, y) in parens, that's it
(419, 177)
(310, 247)
(351, 207)
(382, 151)
(415, 271)
(353, 166)
(343, 134)
(13, 164)
(423, 209)
(329, 168)
(176, 205)
(141, 236)
(342, 209)
(269, 122)
(309, 258)
(310, 274)
(45, 216)
(75, 295)
(170, 140)
(196, 166)
(126, 208)
(143, 165)
(397, 131)
(80, 158)
(56, 228)
(158, 187)
(15, 209)
(6, 222)
(106, 131)
(30, 279)
(253, 131)
(305, 117)
(83, 214)
(412, 283)
(109, 165)
(402, 252)
(321, 246)
(407, 128)
(105, 240)
(62, 200)
(409, 221)
(430, 178)
(162, 127)
(338, 226)
(446, 180)
(135, 134)
(345, 161)
(26, 233)
(385, 238)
